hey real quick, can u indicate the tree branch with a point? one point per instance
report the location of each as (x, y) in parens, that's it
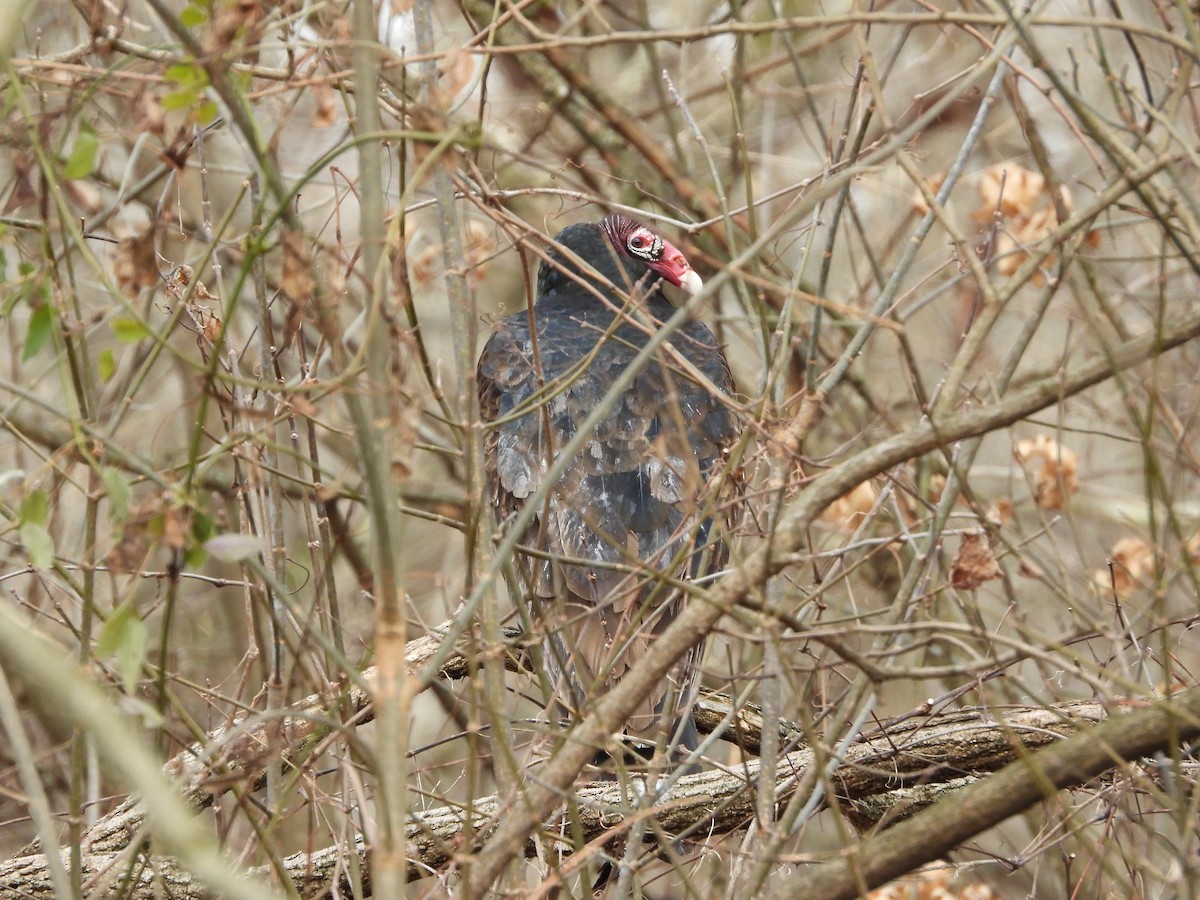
(932, 832)
(1069, 745)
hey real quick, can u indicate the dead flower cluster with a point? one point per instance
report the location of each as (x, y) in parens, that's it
(1023, 202)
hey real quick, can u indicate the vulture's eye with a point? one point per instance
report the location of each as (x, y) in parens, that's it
(645, 245)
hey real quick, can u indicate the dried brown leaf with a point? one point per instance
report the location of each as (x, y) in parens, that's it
(1130, 564)
(22, 177)
(174, 528)
(129, 553)
(176, 283)
(479, 249)
(934, 184)
(148, 114)
(846, 512)
(974, 563)
(325, 111)
(934, 882)
(937, 487)
(1027, 209)
(1058, 475)
(302, 406)
(1001, 512)
(150, 522)
(212, 328)
(1016, 191)
(1193, 548)
(136, 265)
(239, 18)
(423, 265)
(297, 282)
(1029, 569)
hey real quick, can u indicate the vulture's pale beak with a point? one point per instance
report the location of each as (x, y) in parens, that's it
(691, 283)
(674, 267)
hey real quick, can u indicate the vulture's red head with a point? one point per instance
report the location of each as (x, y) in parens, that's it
(623, 252)
(638, 242)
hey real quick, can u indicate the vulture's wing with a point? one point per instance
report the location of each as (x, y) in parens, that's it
(630, 503)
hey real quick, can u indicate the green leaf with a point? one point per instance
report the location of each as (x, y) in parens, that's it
(107, 365)
(35, 537)
(116, 485)
(35, 507)
(39, 546)
(202, 529)
(39, 331)
(203, 526)
(190, 80)
(184, 74)
(193, 16)
(114, 630)
(24, 290)
(206, 112)
(195, 556)
(181, 99)
(128, 330)
(124, 637)
(82, 160)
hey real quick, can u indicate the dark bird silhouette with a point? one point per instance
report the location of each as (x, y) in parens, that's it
(635, 502)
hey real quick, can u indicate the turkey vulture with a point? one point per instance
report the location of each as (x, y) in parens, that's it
(635, 502)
